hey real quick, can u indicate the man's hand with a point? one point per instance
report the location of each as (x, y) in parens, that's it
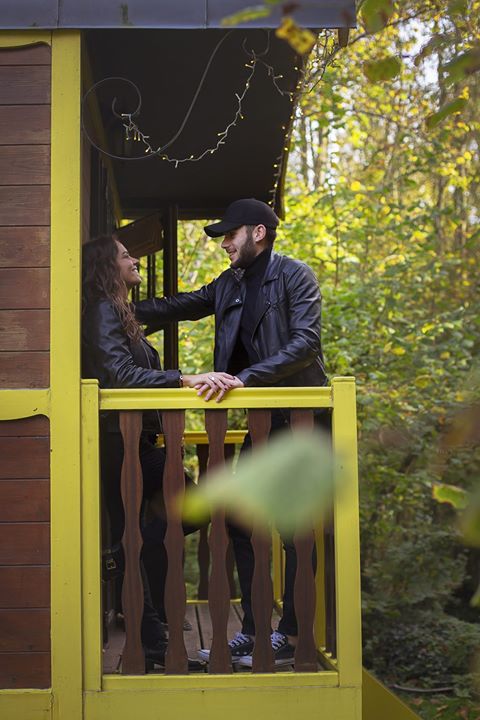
(212, 383)
(229, 382)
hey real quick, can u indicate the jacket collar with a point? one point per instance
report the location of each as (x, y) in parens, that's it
(271, 273)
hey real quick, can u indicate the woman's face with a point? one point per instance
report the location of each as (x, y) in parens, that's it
(127, 266)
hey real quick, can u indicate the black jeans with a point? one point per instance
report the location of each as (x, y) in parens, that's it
(243, 550)
(154, 556)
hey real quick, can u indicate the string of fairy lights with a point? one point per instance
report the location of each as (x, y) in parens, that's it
(134, 133)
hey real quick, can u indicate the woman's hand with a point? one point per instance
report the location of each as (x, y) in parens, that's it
(212, 383)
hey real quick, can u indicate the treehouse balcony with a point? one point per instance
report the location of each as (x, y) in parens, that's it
(328, 656)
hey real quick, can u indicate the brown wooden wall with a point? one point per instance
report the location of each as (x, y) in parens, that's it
(25, 81)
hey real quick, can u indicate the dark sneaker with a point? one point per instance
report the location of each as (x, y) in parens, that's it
(283, 652)
(156, 656)
(240, 645)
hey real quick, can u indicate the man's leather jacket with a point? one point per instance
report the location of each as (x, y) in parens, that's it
(286, 333)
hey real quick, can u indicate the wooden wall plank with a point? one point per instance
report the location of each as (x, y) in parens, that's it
(26, 630)
(24, 670)
(24, 164)
(26, 427)
(24, 288)
(39, 54)
(25, 586)
(24, 500)
(24, 543)
(25, 205)
(24, 247)
(24, 458)
(27, 330)
(25, 124)
(24, 370)
(24, 85)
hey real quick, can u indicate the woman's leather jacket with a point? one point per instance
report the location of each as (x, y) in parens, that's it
(110, 356)
(286, 334)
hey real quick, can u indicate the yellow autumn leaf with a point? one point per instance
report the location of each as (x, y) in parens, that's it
(300, 39)
(422, 381)
(427, 327)
(399, 350)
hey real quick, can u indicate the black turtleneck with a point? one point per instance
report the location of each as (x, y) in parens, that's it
(244, 353)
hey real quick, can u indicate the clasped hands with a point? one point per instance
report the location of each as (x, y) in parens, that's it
(212, 384)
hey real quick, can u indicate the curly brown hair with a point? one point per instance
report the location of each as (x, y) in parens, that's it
(101, 279)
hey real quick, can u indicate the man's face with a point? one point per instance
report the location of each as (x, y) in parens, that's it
(128, 267)
(240, 246)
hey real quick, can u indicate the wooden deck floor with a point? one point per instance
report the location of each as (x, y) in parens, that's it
(200, 636)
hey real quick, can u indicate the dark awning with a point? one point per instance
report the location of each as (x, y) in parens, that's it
(167, 66)
(194, 14)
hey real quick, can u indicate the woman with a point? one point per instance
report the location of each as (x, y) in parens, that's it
(116, 352)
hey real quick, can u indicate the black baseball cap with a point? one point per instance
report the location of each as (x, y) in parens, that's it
(243, 212)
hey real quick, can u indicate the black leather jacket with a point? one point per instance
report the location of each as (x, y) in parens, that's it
(109, 356)
(286, 337)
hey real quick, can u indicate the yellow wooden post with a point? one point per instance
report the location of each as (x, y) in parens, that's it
(347, 540)
(92, 604)
(65, 378)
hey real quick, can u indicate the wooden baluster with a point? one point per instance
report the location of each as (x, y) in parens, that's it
(133, 660)
(218, 586)
(229, 451)
(203, 553)
(304, 591)
(176, 661)
(259, 422)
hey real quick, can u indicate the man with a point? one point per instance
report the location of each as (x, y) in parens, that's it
(267, 333)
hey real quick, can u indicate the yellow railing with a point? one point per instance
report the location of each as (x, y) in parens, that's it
(340, 397)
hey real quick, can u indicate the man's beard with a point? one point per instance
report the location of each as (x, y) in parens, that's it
(247, 253)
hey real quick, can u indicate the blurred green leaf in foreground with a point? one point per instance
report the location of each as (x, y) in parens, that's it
(287, 482)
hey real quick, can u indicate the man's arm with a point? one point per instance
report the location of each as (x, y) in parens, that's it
(303, 346)
(183, 306)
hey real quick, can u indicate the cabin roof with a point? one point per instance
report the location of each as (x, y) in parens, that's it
(194, 14)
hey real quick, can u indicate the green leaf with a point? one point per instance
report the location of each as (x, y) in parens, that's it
(437, 41)
(451, 108)
(375, 14)
(470, 522)
(475, 601)
(455, 496)
(287, 482)
(464, 64)
(457, 7)
(247, 15)
(384, 69)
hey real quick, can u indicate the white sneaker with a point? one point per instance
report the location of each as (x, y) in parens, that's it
(240, 645)
(283, 652)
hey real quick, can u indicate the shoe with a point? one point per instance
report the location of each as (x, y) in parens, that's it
(283, 652)
(239, 645)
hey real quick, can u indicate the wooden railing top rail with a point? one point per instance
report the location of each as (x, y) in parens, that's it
(174, 399)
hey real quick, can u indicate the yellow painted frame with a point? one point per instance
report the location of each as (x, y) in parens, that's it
(22, 38)
(66, 585)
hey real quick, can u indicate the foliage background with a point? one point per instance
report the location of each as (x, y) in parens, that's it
(382, 196)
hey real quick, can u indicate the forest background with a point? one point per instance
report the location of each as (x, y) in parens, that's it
(381, 199)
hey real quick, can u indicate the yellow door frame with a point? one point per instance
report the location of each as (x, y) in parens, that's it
(65, 421)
